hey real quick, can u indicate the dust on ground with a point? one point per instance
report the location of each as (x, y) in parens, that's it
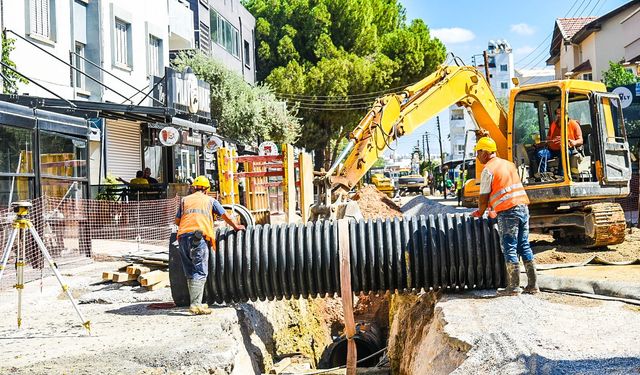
(549, 252)
(375, 204)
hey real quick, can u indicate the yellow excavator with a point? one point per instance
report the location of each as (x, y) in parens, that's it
(576, 204)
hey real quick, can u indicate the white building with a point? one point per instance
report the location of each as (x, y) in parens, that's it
(535, 75)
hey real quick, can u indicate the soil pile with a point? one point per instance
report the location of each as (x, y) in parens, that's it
(375, 204)
(422, 205)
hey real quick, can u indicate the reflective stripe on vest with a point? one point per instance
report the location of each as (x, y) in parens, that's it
(197, 214)
(506, 188)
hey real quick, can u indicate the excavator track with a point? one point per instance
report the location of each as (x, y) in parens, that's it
(604, 224)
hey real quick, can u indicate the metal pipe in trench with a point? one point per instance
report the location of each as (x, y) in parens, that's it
(440, 252)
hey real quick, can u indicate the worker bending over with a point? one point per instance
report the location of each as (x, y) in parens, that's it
(501, 190)
(195, 234)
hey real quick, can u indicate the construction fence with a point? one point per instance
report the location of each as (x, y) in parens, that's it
(78, 230)
(630, 203)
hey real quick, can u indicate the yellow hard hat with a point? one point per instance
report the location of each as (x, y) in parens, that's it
(486, 144)
(201, 181)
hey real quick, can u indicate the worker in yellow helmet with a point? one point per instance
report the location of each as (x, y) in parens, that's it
(195, 235)
(501, 190)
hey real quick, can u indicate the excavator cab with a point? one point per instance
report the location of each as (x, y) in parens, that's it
(569, 187)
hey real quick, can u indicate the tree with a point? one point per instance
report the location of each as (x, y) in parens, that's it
(244, 112)
(9, 77)
(333, 57)
(617, 75)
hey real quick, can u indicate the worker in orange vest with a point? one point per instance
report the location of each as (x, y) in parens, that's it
(552, 146)
(501, 191)
(195, 234)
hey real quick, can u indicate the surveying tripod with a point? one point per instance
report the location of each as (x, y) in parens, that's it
(20, 225)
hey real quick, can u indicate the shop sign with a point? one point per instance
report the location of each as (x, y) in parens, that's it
(169, 136)
(267, 148)
(184, 92)
(191, 140)
(213, 144)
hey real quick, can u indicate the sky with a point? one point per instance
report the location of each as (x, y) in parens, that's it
(466, 26)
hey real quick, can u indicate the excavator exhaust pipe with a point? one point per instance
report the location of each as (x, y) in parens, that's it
(441, 252)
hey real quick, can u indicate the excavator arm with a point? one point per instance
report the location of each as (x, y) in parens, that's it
(396, 115)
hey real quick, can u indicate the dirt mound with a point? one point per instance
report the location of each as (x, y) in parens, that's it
(375, 204)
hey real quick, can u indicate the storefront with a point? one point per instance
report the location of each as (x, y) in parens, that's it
(42, 153)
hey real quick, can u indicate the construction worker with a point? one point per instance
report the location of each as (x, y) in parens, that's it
(501, 191)
(195, 234)
(552, 146)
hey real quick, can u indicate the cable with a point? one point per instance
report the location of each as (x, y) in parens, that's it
(345, 366)
(330, 102)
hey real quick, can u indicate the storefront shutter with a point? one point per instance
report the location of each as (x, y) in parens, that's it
(123, 148)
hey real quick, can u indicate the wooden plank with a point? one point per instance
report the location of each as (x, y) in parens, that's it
(138, 270)
(159, 285)
(153, 277)
(107, 276)
(258, 159)
(259, 174)
(121, 277)
(347, 294)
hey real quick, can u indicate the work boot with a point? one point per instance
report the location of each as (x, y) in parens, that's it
(513, 281)
(196, 289)
(532, 278)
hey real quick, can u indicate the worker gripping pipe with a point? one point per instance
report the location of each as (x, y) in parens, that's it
(21, 224)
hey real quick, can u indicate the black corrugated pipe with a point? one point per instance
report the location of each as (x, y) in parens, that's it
(441, 252)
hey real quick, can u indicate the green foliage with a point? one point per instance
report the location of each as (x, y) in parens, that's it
(379, 163)
(244, 112)
(109, 192)
(617, 76)
(320, 53)
(10, 79)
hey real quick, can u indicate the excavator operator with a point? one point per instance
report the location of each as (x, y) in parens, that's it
(551, 148)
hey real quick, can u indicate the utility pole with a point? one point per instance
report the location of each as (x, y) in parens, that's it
(430, 177)
(444, 188)
(424, 156)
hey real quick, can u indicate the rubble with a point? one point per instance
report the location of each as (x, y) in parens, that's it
(422, 205)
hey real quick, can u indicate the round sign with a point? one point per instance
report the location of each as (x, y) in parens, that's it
(626, 97)
(213, 144)
(267, 148)
(169, 136)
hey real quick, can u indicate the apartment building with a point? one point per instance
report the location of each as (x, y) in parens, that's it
(581, 48)
(226, 30)
(107, 61)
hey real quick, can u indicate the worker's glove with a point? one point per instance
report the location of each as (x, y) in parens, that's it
(476, 213)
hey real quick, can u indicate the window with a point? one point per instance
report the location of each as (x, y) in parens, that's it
(224, 34)
(247, 54)
(121, 43)
(503, 67)
(78, 59)
(587, 76)
(457, 114)
(41, 14)
(460, 148)
(63, 164)
(155, 63)
(504, 85)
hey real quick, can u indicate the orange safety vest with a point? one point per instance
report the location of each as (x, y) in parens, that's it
(571, 132)
(506, 188)
(197, 214)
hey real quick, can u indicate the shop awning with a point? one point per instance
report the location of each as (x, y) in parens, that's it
(193, 125)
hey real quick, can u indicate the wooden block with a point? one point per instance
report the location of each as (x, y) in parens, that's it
(124, 268)
(153, 277)
(107, 276)
(137, 270)
(121, 277)
(157, 286)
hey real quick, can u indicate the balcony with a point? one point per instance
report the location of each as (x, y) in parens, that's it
(181, 32)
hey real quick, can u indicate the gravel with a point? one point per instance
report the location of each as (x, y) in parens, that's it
(422, 205)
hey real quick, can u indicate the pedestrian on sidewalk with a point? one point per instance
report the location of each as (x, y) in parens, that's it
(195, 218)
(501, 191)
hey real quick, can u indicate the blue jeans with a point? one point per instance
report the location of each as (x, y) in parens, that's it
(543, 155)
(195, 260)
(513, 227)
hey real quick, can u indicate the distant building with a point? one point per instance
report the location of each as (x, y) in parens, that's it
(501, 69)
(226, 31)
(582, 47)
(536, 75)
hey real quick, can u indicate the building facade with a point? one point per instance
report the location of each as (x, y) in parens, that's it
(107, 61)
(225, 30)
(582, 48)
